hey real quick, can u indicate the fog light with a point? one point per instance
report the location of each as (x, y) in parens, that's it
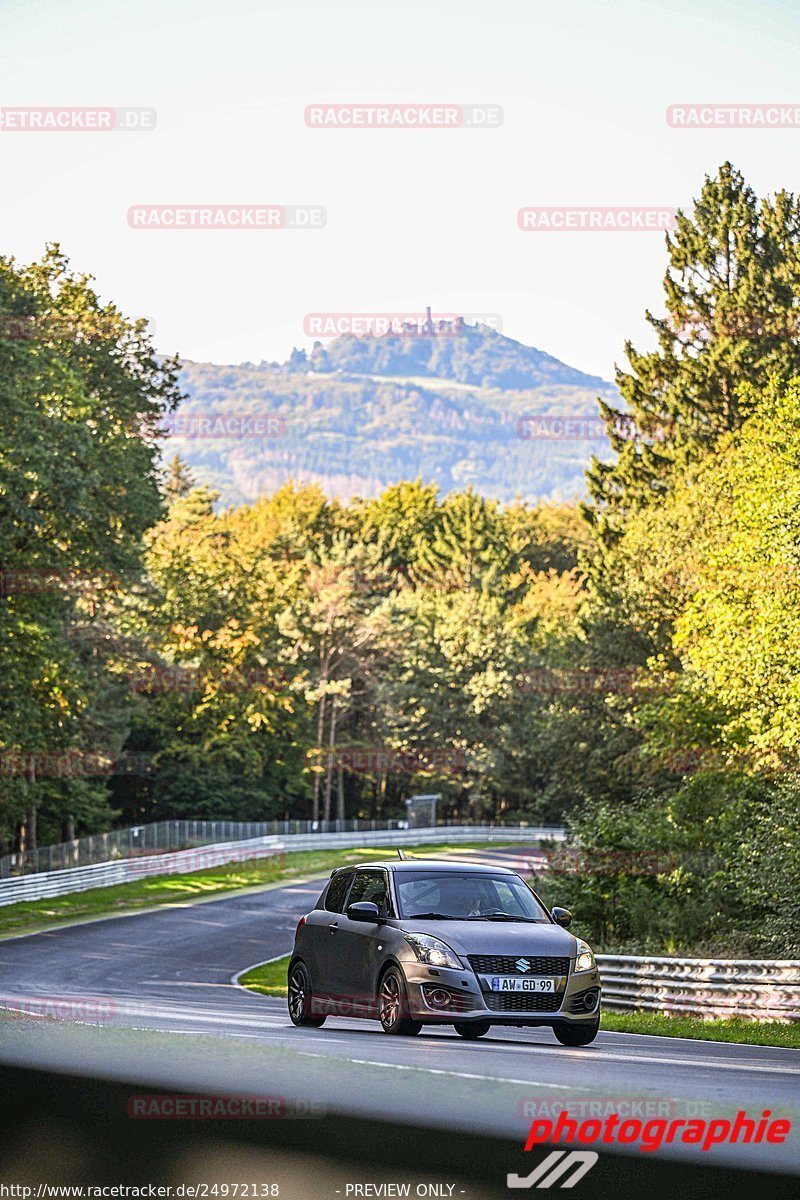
(590, 1002)
(439, 998)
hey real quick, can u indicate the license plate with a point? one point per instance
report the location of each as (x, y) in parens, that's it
(525, 983)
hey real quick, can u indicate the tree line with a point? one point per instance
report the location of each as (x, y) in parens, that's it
(626, 666)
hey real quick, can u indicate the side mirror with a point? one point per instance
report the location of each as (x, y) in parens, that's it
(562, 917)
(363, 910)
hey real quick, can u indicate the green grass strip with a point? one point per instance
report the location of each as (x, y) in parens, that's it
(722, 1029)
(269, 979)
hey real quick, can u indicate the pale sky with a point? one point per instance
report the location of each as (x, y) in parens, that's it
(413, 216)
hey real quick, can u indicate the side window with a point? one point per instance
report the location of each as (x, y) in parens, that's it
(337, 890)
(370, 886)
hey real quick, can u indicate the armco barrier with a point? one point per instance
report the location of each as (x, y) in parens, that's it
(81, 879)
(156, 837)
(439, 834)
(697, 987)
(47, 884)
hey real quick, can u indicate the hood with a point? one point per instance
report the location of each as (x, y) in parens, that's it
(497, 937)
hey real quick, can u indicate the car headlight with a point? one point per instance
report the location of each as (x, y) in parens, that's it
(585, 959)
(432, 950)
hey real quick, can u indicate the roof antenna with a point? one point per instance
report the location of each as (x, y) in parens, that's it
(400, 854)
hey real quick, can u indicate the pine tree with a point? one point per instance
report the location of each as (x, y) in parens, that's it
(732, 294)
(179, 479)
(469, 549)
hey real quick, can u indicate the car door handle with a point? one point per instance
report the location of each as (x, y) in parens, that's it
(334, 927)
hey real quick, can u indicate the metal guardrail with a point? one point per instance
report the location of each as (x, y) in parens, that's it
(697, 987)
(433, 835)
(158, 836)
(46, 884)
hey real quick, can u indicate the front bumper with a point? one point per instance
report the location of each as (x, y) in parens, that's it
(470, 1000)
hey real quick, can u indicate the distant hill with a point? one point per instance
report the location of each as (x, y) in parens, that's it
(476, 355)
(364, 412)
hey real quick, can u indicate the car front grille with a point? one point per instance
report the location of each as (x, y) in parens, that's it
(506, 964)
(522, 1002)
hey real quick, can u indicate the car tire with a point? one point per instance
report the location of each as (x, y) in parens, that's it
(570, 1034)
(300, 998)
(471, 1029)
(393, 1005)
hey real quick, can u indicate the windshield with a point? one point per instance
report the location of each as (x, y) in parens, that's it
(471, 896)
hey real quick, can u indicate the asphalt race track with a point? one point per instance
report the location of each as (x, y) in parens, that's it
(150, 998)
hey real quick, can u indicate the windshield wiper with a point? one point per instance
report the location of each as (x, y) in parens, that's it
(505, 917)
(437, 916)
(431, 916)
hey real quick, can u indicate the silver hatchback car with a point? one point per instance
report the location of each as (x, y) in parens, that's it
(430, 943)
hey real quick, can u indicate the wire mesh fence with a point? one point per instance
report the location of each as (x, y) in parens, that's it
(163, 837)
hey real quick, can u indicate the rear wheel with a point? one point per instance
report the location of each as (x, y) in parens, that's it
(393, 1005)
(576, 1034)
(472, 1029)
(300, 998)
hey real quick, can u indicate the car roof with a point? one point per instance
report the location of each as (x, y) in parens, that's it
(428, 864)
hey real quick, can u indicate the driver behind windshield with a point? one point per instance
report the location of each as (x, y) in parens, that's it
(467, 898)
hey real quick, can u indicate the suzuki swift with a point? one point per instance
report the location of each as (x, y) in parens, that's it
(433, 943)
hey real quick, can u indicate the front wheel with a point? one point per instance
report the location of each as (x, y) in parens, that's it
(576, 1035)
(471, 1029)
(300, 998)
(393, 1005)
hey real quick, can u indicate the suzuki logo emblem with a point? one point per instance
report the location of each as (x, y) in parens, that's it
(522, 964)
(544, 1177)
